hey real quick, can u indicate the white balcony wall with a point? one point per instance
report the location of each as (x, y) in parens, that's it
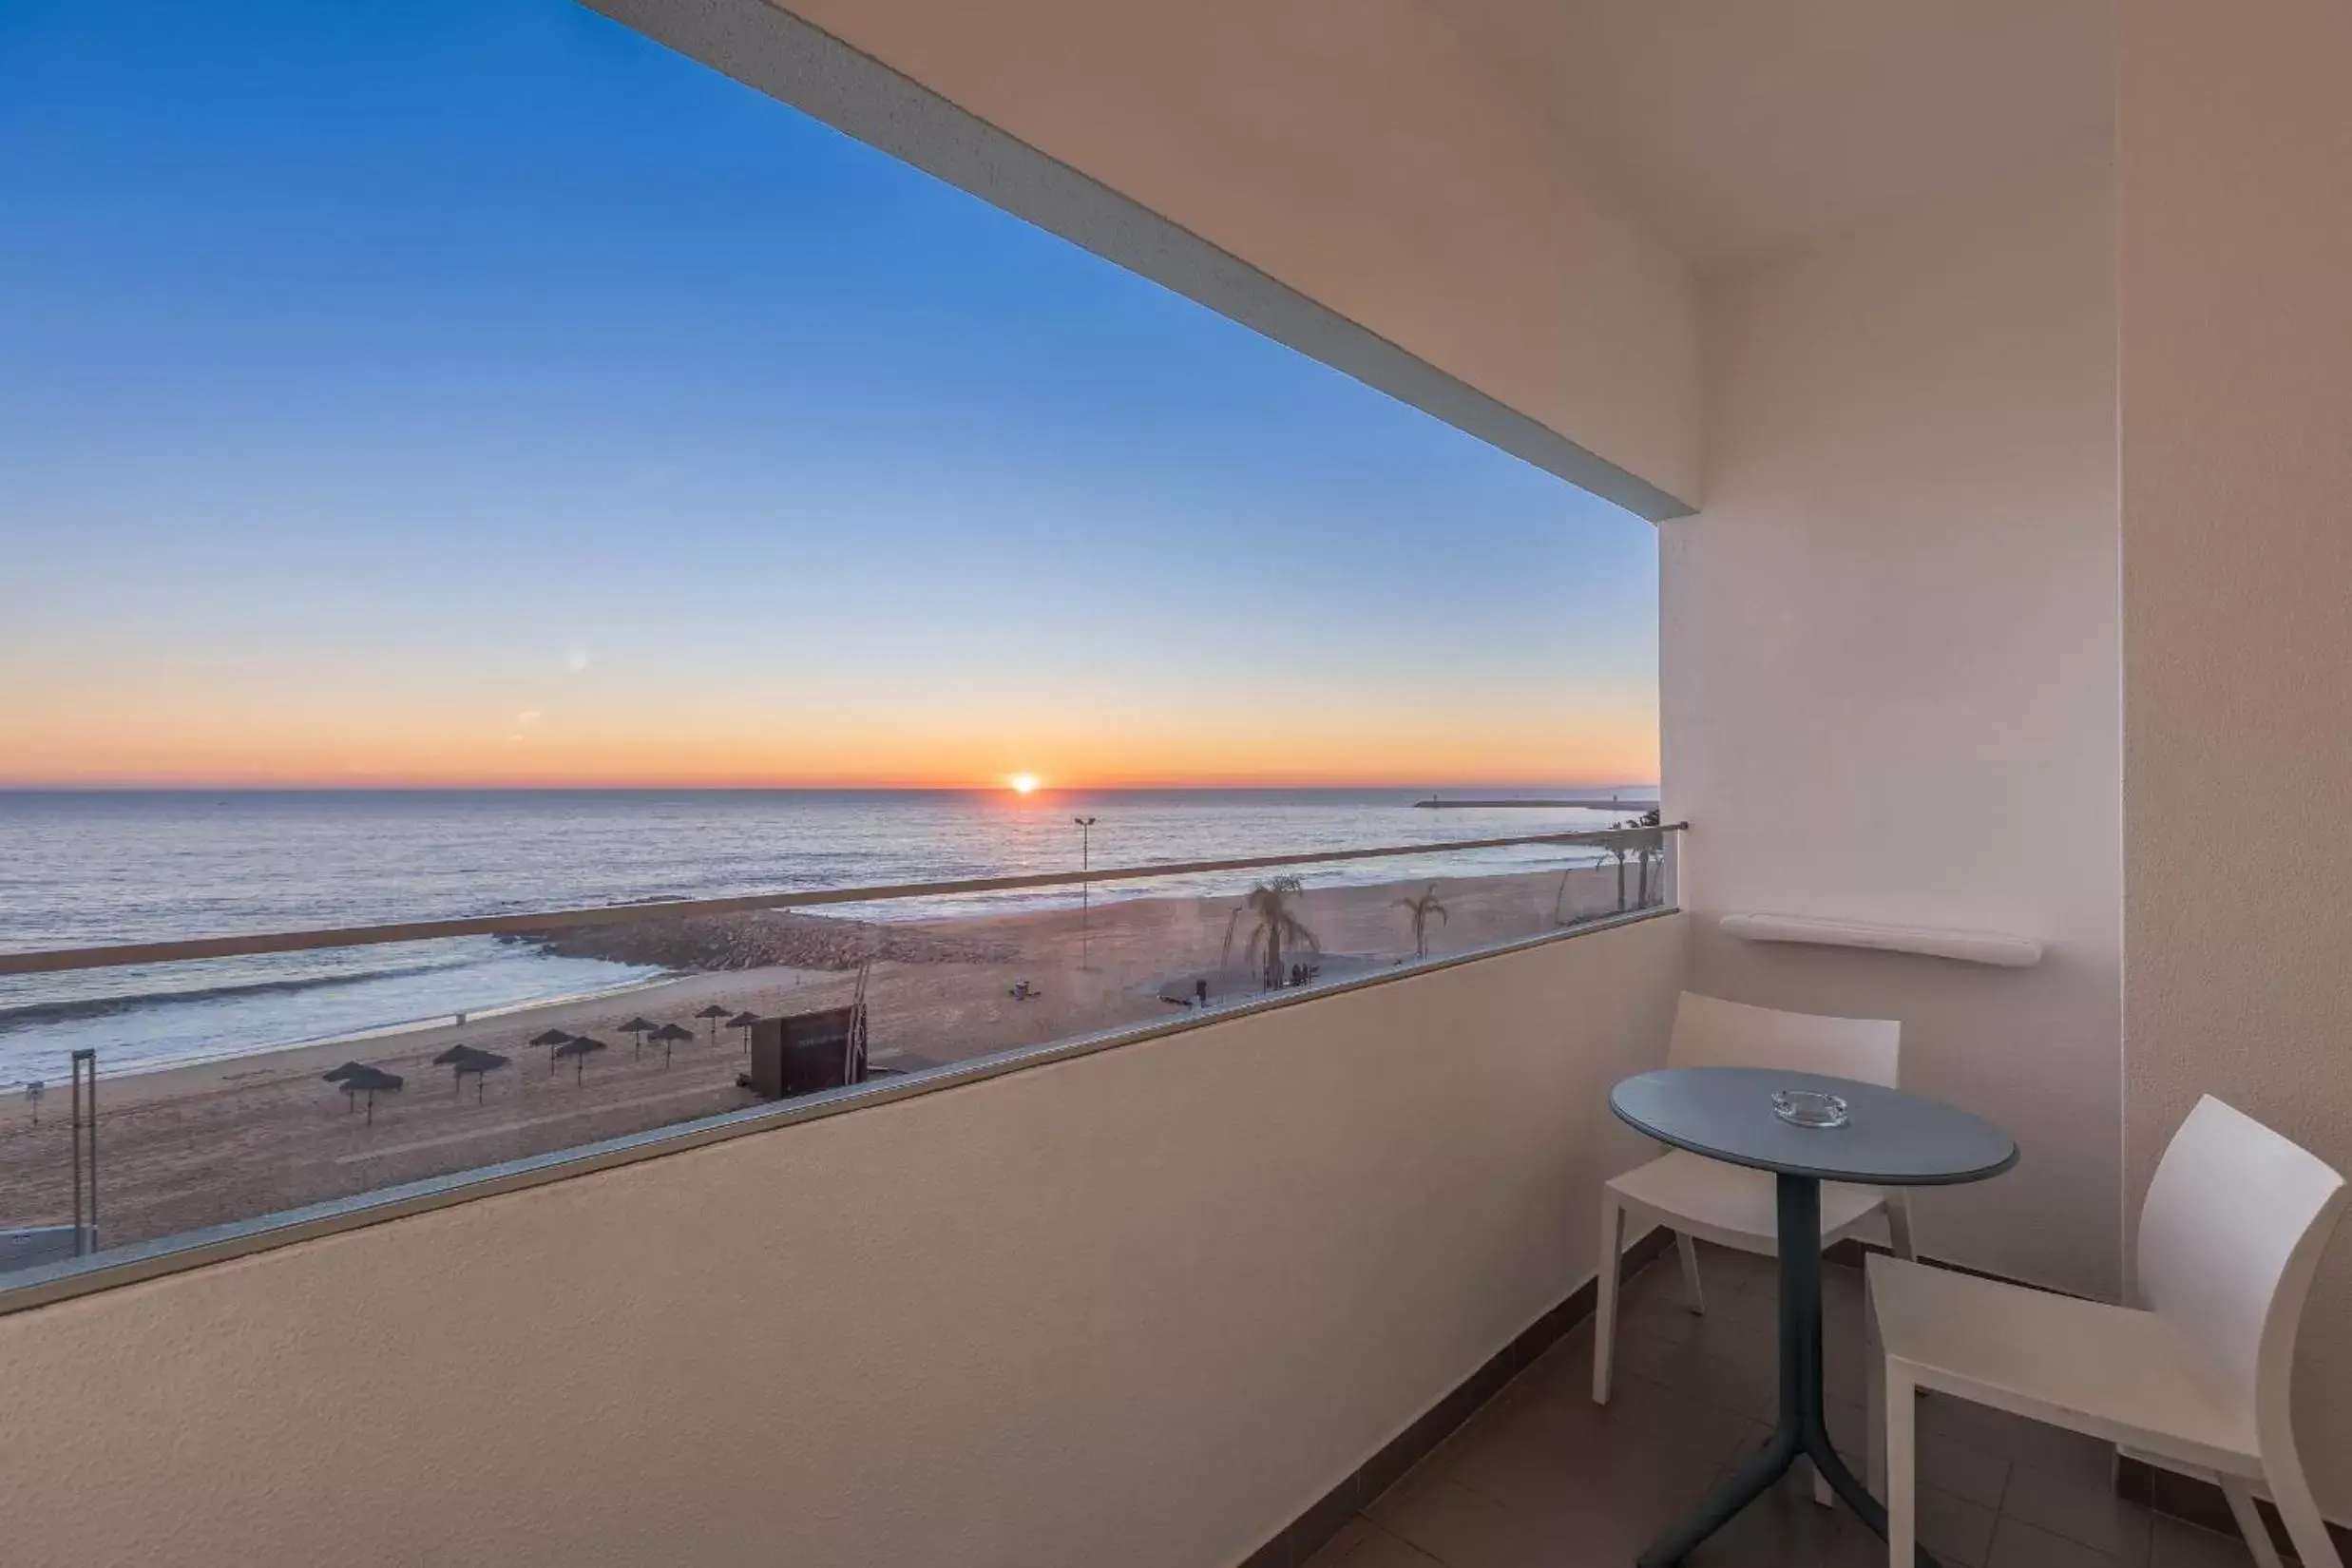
(1139, 1308)
(2236, 140)
(1889, 671)
(1362, 152)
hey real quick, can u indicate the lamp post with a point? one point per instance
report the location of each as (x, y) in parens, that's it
(1085, 888)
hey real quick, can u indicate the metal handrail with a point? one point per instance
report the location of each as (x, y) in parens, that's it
(63, 960)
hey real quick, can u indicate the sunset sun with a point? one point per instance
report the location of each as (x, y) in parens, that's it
(1023, 783)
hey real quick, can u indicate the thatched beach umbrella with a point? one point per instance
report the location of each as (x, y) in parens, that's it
(577, 1049)
(744, 1021)
(461, 1060)
(551, 1038)
(355, 1079)
(714, 1012)
(637, 1029)
(669, 1035)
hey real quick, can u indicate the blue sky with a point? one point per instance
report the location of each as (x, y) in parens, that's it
(465, 392)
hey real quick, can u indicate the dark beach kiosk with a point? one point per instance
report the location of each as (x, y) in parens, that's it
(577, 1047)
(713, 1013)
(356, 1078)
(744, 1021)
(669, 1036)
(551, 1038)
(461, 1060)
(637, 1029)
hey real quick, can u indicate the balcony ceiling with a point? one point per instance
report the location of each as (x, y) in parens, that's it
(1735, 130)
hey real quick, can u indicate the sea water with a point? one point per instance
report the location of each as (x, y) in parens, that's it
(86, 869)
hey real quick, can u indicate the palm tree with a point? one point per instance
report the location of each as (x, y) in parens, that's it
(1649, 849)
(1269, 903)
(1422, 907)
(1617, 849)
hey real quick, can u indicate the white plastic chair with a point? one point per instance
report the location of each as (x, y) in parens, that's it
(2232, 1233)
(1730, 1205)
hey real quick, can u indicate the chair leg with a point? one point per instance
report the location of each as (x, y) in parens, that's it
(1899, 1226)
(1692, 1294)
(1605, 1294)
(2257, 1534)
(1874, 1378)
(2301, 1512)
(1902, 1469)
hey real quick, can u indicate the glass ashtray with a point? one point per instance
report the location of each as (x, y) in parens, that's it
(1808, 1108)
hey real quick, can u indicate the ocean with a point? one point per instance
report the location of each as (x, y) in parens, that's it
(81, 869)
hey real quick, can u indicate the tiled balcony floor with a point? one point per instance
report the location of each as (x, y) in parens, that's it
(1543, 1478)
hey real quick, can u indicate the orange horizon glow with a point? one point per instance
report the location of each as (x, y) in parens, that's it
(396, 739)
(1485, 771)
(1069, 781)
(328, 786)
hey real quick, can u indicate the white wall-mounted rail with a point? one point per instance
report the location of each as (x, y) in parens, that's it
(1993, 948)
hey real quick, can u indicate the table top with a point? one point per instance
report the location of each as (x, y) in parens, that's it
(1890, 1138)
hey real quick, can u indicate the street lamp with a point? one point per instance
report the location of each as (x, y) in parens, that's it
(1085, 888)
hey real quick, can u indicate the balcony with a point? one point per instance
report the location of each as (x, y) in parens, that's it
(1323, 1254)
(1984, 369)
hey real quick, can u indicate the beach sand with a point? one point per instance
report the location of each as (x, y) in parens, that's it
(237, 1137)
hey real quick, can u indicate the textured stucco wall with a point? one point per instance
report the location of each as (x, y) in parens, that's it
(1365, 153)
(1889, 671)
(1140, 1307)
(2236, 287)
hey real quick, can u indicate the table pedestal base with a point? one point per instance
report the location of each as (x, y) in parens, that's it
(1803, 1432)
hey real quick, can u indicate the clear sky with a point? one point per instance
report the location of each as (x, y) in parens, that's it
(467, 392)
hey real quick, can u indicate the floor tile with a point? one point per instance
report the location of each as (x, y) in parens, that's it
(1955, 1529)
(1521, 1455)
(1458, 1526)
(1849, 1431)
(1335, 1550)
(1786, 1528)
(2034, 1443)
(2017, 1544)
(1379, 1549)
(1746, 1384)
(2173, 1544)
(1735, 1337)
(1962, 1468)
(1758, 1308)
(1660, 1360)
(1707, 1432)
(1659, 1318)
(2090, 1516)
(1607, 1515)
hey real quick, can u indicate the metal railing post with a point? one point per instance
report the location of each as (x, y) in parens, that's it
(85, 1151)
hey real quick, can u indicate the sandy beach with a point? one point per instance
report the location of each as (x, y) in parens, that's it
(228, 1139)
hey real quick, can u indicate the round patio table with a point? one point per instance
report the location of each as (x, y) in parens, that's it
(1889, 1140)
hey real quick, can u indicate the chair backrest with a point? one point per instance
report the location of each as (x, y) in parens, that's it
(2230, 1239)
(1711, 1032)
